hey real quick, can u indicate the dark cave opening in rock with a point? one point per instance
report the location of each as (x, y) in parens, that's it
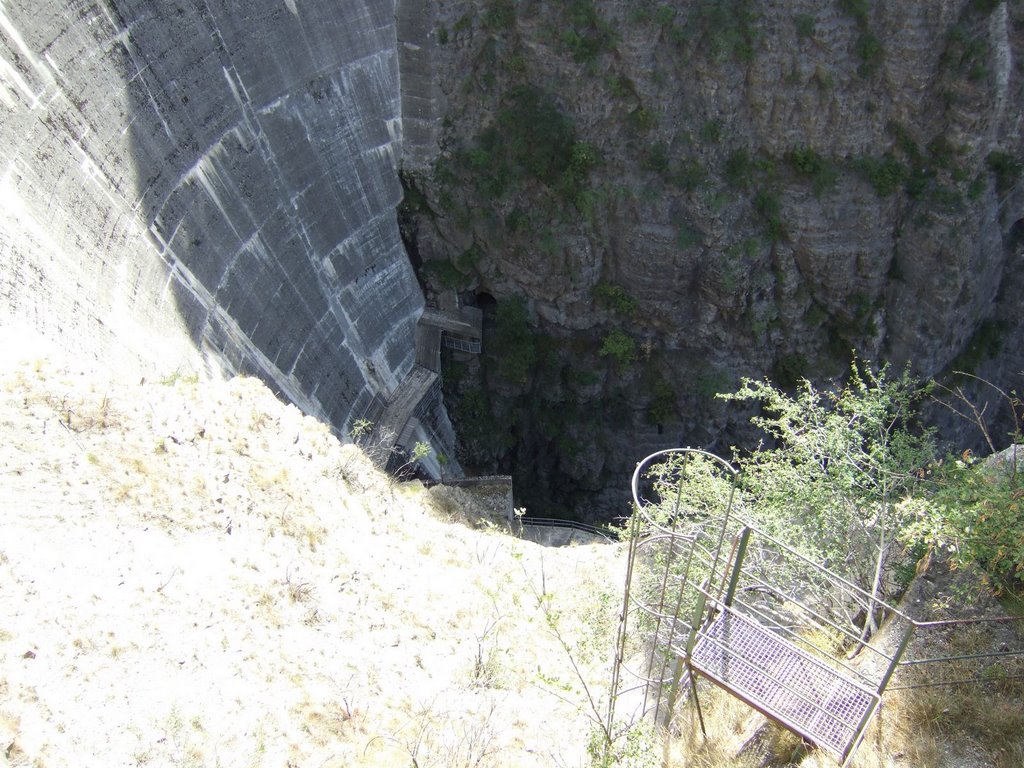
(485, 301)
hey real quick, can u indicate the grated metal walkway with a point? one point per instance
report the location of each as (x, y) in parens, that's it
(783, 682)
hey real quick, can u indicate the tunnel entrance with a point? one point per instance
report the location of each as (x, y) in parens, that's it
(486, 302)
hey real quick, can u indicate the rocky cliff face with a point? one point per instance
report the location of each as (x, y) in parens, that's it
(210, 184)
(678, 194)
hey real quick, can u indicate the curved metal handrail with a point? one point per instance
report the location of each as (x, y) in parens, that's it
(652, 459)
(551, 522)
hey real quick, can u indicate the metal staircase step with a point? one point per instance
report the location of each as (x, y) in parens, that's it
(783, 682)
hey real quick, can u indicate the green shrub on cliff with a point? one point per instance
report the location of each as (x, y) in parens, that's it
(869, 51)
(857, 9)
(804, 24)
(821, 171)
(885, 174)
(538, 137)
(977, 514)
(616, 298)
(619, 347)
(842, 462)
(849, 476)
(500, 15)
(588, 34)
(531, 139)
(1006, 169)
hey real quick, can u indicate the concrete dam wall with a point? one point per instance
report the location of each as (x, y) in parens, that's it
(211, 183)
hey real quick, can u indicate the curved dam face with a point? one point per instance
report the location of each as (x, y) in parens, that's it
(210, 183)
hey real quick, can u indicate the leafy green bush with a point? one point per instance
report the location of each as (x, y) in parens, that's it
(588, 34)
(500, 15)
(713, 383)
(687, 174)
(885, 174)
(582, 158)
(869, 51)
(516, 220)
(656, 158)
(615, 296)
(444, 274)
(539, 138)
(621, 87)
(643, 119)
(985, 343)
(843, 461)
(858, 9)
(689, 236)
(790, 370)
(977, 514)
(984, 6)
(472, 414)
(530, 138)
(805, 161)
(767, 204)
(726, 28)
(820, 170)
(619, 347)
(1006, 168)
(739, 168)
(662, 408)
(967, 52)
(665, 15)
(469, 258)
(711, 131)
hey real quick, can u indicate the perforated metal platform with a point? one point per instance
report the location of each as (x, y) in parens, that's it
(783, 682)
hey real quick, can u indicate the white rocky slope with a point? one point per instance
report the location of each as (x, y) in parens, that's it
(192, 573)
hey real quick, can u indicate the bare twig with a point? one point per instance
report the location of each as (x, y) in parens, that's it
(594, 715)
(173, 573)
(968, 410)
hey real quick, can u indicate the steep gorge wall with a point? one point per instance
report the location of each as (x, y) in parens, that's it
(210, 183)
(703, 191)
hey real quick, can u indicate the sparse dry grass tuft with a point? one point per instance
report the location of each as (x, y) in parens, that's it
(986, 717)
(731, 726)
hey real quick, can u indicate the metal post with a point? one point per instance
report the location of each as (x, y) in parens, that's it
(620, 644)
(896, 656)
(670, 705)
(698, 614)
(882, 684)
(696, 702)
(741, 551)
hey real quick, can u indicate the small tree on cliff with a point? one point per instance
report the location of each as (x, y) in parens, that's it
(840, 465)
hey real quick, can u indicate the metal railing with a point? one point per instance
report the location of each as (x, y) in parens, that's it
(460, 344)
(711, 595)
(550, 522)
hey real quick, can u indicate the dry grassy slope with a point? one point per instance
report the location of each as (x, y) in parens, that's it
(195, 574)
